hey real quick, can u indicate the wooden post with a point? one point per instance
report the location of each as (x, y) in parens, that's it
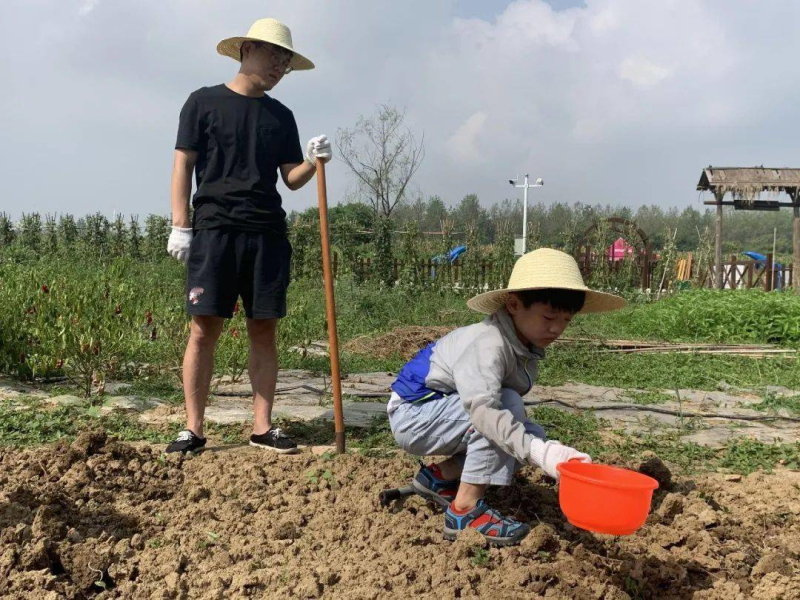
(796, 243)
(718, 240)
(750, 266)
(733, 273)
(768, 273)
(330, 308)
(646, 267)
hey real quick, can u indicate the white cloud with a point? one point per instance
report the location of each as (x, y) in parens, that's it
(599, 100)
(463, 144)
(87, 6)
(642, 72)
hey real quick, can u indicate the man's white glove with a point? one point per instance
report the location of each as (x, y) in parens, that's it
(551, 453)
(318, 147)
(180, 238)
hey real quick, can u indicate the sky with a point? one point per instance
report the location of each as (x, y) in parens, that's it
(619, 102)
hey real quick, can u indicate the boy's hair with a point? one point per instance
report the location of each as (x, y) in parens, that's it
(570, 301)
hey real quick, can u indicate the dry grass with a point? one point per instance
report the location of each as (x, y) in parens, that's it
(402, 341)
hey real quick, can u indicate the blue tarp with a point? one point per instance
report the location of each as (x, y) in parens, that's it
(761, 262)
(450, 256)
(760, 258)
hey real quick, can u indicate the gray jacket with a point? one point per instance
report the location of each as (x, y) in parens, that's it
(477, 361)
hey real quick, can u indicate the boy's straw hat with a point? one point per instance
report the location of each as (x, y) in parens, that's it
(265, 30)
(546, 268)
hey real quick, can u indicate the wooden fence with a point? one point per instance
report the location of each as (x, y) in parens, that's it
(740, 274)
(490, 274)
(737, 273)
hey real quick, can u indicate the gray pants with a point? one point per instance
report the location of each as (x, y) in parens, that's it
(442, 427)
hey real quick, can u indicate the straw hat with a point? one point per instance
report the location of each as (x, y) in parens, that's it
(546, 268)
(265, 30)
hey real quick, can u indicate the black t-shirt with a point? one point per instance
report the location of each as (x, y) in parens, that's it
(240, 142)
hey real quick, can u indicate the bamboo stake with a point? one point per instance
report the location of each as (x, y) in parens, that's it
(330, 308)
(666, 266)
(774, 245)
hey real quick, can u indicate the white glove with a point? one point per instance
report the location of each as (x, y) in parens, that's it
(179, 241)
(551, 453)
(318, 147)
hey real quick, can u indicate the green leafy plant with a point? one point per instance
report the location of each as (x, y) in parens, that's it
(479, 557)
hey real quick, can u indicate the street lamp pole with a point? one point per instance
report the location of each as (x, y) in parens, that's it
(525, 186)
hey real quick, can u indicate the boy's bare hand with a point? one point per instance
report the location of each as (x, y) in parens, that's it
(551, 453)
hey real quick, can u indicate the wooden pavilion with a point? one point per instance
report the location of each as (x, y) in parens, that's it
(746, 186)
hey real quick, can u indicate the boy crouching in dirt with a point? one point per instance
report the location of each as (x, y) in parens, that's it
(461, 396)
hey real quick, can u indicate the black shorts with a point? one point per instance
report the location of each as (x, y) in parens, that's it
(225, 264)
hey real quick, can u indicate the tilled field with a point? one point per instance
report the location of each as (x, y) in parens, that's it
(100, 518)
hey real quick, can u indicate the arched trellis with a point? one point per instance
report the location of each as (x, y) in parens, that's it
(587, 256)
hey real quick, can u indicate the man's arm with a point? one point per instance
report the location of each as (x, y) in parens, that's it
(182, 169)
(181, 236)
(296, 175)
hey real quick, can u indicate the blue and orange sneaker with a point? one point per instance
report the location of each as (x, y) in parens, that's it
(497, 529)
(430, 484)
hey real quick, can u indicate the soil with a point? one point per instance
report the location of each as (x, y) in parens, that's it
(100, 518)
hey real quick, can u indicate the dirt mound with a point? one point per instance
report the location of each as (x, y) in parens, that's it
(403, 341)
(66, 512)
(102, 518)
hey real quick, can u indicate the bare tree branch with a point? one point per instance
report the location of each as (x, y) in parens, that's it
(383, 155)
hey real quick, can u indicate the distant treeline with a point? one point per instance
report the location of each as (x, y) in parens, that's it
(354, 225)
(35, 235)
(560, 224)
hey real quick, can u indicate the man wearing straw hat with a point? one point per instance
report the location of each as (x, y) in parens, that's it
(461, 396)
(237, 139)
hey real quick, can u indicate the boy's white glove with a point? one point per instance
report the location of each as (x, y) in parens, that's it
(551, 453)
(180, 238)
(318, 147)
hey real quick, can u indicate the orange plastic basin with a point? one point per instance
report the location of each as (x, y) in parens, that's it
(604, 499)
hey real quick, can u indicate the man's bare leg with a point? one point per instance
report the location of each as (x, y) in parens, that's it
(263, 370)
(198, 366)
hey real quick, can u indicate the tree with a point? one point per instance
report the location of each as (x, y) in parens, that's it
(435, 213)
(383, 155)
(7, 233)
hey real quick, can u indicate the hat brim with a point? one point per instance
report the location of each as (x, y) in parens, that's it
(596, 302)
(231, 47)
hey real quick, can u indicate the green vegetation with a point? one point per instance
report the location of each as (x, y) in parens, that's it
(741, 316)
(665, 371)
(774, 403)
(479, 556)
(585, 431)
(125, 320)
(35, 423)
(650, 397)
(85, 305)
